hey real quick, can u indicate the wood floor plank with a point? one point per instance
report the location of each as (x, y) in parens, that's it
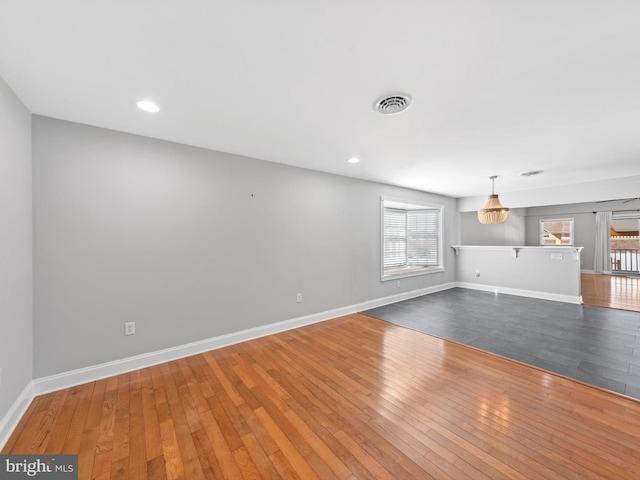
(245, 463)
(350, 398)
(317, 445)
(171, 450)
(175, 385)
(611, 291)
(225, 424)
(156, 469)
(60, 426)
(370, 463)
(137, 444)
(121, 431)
(120, 469)
(46, 429)
(223, 454)
(288, 449)
(206, 456)
(79, 420)
(104, 441)
(258, 456)
(91, 432)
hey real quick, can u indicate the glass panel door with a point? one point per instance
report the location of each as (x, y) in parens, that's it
(625, 244)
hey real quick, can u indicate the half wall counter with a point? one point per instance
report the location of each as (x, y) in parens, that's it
(549, 272)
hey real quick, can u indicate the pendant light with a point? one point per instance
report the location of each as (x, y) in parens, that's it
(493, 212)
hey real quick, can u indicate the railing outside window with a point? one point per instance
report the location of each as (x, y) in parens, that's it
(625, 260)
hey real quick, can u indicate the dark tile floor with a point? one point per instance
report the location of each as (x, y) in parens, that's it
(599, 346)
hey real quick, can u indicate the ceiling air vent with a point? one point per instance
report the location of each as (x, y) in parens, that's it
(392, 104)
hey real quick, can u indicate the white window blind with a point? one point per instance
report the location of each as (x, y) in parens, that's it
(411, 238)
(395, 238)
(422, 237)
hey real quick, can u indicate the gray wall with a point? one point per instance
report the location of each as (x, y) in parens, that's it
(522, 227)
(584, 225)
(534, 270)
(191, 243)
(511, 232)
(15, 248)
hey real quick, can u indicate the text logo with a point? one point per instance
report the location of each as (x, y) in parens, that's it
(44, 467)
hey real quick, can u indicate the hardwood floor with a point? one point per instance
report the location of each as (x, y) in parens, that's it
(599, 346)
(354, 397)
(611, 291)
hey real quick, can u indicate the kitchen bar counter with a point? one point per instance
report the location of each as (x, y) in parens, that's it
(549, 272)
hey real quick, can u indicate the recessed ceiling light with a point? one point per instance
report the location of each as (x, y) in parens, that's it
(531, 173)
(353, 160)
(148, 106)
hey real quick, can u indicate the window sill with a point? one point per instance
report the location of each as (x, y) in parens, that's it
(410, 272)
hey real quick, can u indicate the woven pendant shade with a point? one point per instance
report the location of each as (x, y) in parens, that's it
(493, 212)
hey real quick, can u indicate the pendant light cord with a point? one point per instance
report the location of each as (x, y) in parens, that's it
(493, 183)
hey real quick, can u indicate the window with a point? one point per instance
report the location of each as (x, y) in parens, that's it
(411, 238)
(624, 240)
(557, 231)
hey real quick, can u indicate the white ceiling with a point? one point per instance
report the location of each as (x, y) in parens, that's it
(625, 225)
(499, 86)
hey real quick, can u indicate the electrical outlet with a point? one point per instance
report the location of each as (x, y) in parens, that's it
(130, 328)
(397, 283)
(299, 297)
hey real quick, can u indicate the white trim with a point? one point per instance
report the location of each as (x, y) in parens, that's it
(379, 302)
(522, 293)
(552, 220)
(621, 215)
(124, 365)
(516, 249)
(409, 205)
(117, 367)
(411, 273)
(96, 372)
(10, 421)
(539, 248)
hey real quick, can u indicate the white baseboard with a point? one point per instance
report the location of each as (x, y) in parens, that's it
(522, 293)
(92, 373)
(9, 422)
(404, 296)
(117, 367)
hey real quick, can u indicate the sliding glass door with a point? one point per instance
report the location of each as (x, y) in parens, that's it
(625, 243)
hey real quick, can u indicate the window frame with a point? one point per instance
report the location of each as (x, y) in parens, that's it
(407, 270)
(556, 220)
